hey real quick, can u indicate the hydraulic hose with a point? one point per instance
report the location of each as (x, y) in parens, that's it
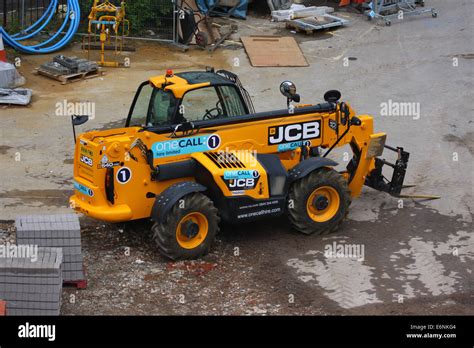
(71, 21)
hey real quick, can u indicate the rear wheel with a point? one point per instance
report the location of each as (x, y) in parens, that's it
(189, 229)
(319, 202)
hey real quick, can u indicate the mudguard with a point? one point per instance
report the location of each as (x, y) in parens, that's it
(308, 165)
(165, 200)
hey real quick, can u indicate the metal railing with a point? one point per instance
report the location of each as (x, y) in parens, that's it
(149, 19)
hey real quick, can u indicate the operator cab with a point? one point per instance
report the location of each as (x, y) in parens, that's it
(173, 99)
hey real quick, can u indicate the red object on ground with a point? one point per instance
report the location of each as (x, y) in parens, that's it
(78, 284)
(348, 2)
(3, 308)
(3, 54)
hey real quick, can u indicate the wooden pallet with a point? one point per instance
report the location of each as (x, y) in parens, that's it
(78, 284)
(64, 79)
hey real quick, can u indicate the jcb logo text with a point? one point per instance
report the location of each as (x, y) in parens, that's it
(294, 132)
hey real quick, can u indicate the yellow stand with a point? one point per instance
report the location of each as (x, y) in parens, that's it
(110, 20)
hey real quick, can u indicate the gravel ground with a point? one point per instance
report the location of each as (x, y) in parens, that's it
(262, 269)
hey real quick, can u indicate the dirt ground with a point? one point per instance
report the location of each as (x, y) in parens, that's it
(418, 259)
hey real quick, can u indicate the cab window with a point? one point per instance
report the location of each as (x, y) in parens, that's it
(210, 103)
(232, 103)
(153, 107)
(162, 108)
(140, 109)
(201, 104)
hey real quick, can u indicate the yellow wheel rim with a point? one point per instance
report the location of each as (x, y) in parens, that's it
(192, 230)
(323, 204)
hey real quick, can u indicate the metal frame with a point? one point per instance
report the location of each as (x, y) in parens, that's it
(407, 7)
(25, 12)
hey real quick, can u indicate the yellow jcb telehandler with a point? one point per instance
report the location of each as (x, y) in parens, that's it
(194, 152)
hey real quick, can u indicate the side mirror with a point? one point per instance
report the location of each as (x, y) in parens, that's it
(77, 120)
(345, 113)
(332, 96)
(288, 89)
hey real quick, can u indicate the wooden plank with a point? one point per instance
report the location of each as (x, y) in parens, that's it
(273, 51)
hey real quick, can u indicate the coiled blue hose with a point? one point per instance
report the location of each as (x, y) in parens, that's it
(71, 21)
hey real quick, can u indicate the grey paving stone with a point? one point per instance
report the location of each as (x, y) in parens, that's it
(31, 312)
(32, 287)
(73, 275)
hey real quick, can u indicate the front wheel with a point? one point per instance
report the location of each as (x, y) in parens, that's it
(319, 202)
(189, 229)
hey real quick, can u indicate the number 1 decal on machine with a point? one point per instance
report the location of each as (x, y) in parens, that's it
(124, 175)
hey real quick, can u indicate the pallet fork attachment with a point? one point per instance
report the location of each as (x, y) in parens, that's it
(377, 180)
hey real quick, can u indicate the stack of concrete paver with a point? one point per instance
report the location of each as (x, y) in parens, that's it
(62, 231)
(32, 285)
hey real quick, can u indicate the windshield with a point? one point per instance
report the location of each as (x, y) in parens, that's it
(152, 107)
(211, 102)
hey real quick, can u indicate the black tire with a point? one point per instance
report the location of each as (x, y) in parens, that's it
(166, 233)
(301, 191)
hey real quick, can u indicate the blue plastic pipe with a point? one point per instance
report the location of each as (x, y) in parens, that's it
(74, 11)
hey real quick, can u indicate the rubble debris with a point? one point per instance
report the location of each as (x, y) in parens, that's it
(9, 77)
(62, 65)
(75, 64)
(69, 69)
(55, 68)
(311, 24)
(17, 96)
(279, 4)
(300, 11)
(197, 268)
